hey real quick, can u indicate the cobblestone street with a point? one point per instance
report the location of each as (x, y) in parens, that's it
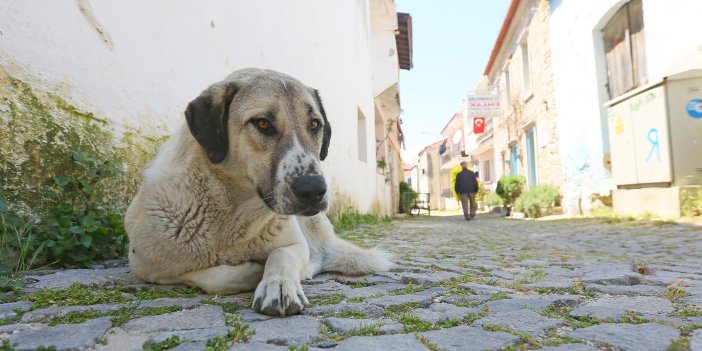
(489, 284)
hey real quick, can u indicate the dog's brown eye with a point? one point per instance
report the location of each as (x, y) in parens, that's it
(262, 124)
(314, 125)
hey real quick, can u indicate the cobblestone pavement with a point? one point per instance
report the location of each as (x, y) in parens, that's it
(493, 283)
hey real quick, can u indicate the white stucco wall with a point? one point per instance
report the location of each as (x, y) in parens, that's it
(672, 33)
(154, 57)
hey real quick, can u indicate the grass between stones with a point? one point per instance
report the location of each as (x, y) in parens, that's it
(685, 312)
(423, 339)
(326, 300)
(563, 313)
(75, 295)
(239, 333)
(119, 317)
(351, 314)
(166, 344)
(330, 335)
(408, 289)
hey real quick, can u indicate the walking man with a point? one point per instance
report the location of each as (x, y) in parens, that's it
(467, 186)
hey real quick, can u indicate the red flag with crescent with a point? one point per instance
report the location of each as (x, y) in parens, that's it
(478, 125)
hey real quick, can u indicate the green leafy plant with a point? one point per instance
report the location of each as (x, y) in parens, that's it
(691, 202)
(407, 197)
(492, 199)
(509, 188)
(539, 197)
(79, 227)
(75, 226)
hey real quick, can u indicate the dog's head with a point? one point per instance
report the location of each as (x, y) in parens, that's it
(271, 128)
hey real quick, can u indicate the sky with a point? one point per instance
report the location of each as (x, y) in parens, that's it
(451, 44)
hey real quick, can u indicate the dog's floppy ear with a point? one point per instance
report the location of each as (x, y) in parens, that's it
(326, 136)
(207, 118)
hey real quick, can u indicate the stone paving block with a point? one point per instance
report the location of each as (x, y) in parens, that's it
(560, 272)
(45, 315)
(484, 289)
(398, 342)
(257, 346)
(248, 316)
(467, 338)
(429, 278)
(190, 346)
(392, 328)
(200, 334)
(569, 347)
(443, 311)
(324, 289)
(450, 267)
(62, 337)
(7, 310)
(532, 302)
(185, 302)
(696, 341)
(616, 306)
(92, 277)
(347, 325)
(611, 274)
(522, 321)
(369, 279)
(552, 284)
(694, 300)
(484, 263)
(634, 337)
(644, 290)
(367, 291)
(532, 263)
(293, 330)
(372, 311)
(206, 316)
(424, 298)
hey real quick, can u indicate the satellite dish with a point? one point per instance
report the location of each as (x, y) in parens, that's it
(457, 136)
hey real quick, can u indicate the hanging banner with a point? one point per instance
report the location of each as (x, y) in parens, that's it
(478, 125)
(487, 105)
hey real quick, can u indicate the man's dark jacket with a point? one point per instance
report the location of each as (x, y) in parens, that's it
(466, 182)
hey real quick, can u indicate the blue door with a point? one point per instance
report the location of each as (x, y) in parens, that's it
(531, 156)
(513, 159)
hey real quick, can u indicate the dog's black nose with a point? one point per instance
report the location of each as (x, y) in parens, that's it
(309, 190)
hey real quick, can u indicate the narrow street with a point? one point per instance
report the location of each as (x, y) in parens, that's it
(489, 284)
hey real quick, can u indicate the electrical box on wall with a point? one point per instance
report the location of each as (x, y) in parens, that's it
(655, 133)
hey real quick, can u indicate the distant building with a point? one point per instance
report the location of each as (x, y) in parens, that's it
(429, 174)
(524, 136)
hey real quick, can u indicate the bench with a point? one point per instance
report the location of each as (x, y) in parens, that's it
(414, 203)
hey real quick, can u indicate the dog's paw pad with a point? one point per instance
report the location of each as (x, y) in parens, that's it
(278, 297)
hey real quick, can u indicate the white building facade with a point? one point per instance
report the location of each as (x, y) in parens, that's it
(136, 65)
(650, 39)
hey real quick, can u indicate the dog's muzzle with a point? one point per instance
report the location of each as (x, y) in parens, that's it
(310, 193)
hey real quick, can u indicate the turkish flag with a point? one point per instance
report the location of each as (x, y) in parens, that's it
(478, 125)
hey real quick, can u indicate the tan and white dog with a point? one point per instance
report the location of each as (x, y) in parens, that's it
(235, 200)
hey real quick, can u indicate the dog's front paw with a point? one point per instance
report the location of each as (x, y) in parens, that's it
(279, 297)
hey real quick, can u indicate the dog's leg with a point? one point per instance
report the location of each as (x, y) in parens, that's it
(329, 253)
(280, 292)
(222, 279)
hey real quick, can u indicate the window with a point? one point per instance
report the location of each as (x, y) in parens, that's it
(507, 92)
(362, 151)
(526, 70)
(486, 171)
(625, 49)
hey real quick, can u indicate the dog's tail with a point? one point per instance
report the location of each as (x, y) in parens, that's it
(346, 258)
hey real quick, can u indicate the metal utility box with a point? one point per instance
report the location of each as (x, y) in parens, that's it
(655, 134)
